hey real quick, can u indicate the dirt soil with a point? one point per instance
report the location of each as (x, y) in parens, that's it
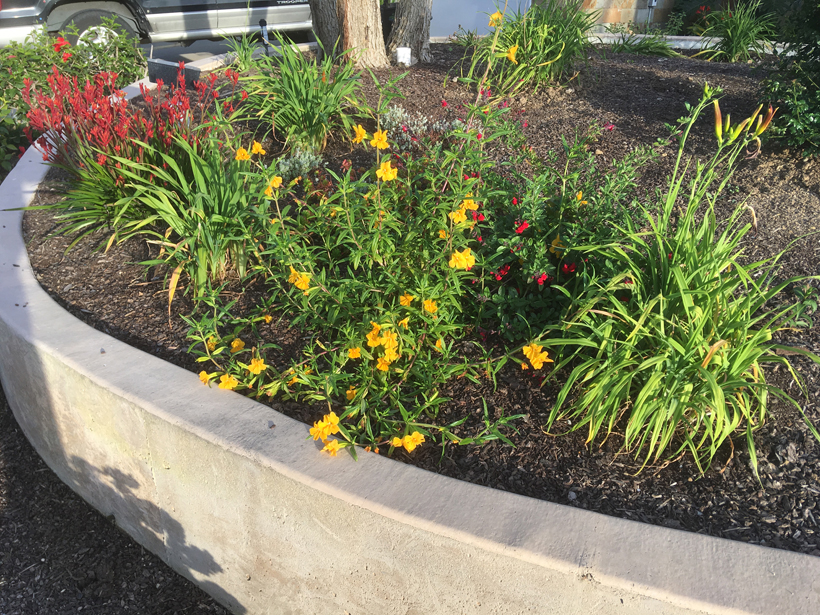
(638, 95)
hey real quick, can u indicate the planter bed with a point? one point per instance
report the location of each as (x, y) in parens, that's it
(184, 511)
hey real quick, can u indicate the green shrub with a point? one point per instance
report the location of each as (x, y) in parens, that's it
(741, 32)
(676, 343)
(531, 49)
(795, 86)
(305, 100)
(650, 44)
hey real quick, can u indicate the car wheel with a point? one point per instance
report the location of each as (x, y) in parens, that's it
(90, 28)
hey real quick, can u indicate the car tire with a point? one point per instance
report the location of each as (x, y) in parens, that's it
(90, 24)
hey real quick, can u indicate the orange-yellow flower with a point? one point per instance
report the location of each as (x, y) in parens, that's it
(228, 382)
(373, 338)
(578, 198)
(524, 366)
(442, 234)
(439, 344)
(406, 299)
(411, 441)
(496, 19)
(379, 140)
(462, 260)
(386, 172)
(237, 345)
(242, 154)
(537, 358)
(557, 246)
(511, 54)
(275, 182)
(430, 306)
(405, 322)
(204, 377)
(350, 393)
(383, 364)
(257, 366)
(396, 442)
(211, 344)
(332, 447)
(469, 203)
(267, 318)
(256, 148)
(458, 216)
(360, 134)
(269, 192)
(300, 280)
(354, 353)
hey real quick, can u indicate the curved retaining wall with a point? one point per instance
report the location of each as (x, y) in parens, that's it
(264, 522)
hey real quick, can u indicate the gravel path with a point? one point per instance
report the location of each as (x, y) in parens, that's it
(58, 555)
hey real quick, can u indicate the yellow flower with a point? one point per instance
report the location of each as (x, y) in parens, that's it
(495, 19)
(211, 344)
(332, 447)
(257, 366)
(256, 148)
(350, 394)
(511, 54)
(396, 442)
(386, 172)
(406, 299)
(557, 246)
(390, 339)
(430, 306)
(383, 364)
(534, 353)
(354, 353)
(469, 203)
(524, 366)
(267, 318)
(300, 280)
(578, 198)
(204, 377)
(269, 192)
(361, 133)
(462, 260)
(373, 338)
(237, 345)
(412, 440)
(379, 140)
(391, 354)
(332, 422)
(439, 344)
(458, 216)
(442, 234)
(275, 182)
(405, 322)
(228, 382)
(242, 154)
(274, 221)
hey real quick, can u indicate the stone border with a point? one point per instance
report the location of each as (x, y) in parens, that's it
(237, 498)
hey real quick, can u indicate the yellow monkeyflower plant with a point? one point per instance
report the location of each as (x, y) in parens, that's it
(359, 134)
(379, 140)
(387, 173)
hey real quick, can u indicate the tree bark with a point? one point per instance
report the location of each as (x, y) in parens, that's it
(356, 25)
(411, 28)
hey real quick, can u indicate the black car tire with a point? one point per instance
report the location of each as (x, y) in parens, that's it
(87, 21)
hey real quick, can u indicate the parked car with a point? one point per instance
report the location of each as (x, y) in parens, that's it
(152, 21)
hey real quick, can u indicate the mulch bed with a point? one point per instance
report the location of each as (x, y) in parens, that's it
(639, 95)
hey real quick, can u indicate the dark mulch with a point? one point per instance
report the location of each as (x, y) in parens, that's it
(638, 95)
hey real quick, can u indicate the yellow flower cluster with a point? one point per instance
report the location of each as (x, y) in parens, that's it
(409, 442)
(322, 430)
(273, 184)
(299, 280)
(462, 260)
(387, 339)
(294, 378)
(386, 173)
(211, 344)
(537, 356)
(459, 216)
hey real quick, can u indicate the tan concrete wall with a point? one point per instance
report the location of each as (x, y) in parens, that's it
(622, 11)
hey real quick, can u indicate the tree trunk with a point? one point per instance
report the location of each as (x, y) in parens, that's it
(411, 28)
(356, 24)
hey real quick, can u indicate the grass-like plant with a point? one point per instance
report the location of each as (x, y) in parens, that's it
(305, 100)
(735, 34)
(672, 350)
(531, 49)
(241, 51)
(651, 44)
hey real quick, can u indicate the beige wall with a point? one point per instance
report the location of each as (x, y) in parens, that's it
(613, 11)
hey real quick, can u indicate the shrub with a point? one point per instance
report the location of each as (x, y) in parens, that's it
(796, 83)
(676, 343)
(531, 49)
(742, 32)
(305, 100)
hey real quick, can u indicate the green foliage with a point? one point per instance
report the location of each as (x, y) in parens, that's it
(649, 44)
(672, 349)
(34, 59)
(737, 33)
(241, 51)
(305, 100)
(11, 140)
(795, 86)
(531, 49)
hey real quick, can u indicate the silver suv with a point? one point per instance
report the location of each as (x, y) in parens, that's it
(152, 21)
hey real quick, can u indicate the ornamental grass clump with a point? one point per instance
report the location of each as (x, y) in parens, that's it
(736, 33)
(673, 349)
(531, 49)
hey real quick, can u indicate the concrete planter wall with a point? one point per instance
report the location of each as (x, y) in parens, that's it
(235, 497)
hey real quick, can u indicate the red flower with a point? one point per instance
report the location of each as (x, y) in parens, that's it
(542, 279)
(609, 126)
(478, 136)
(244, 93)
(566, 269)
(61, 42)
(481, 217)
(101, 159)
(444, 103)
(522, 227)
(515, 201)
(66, 56)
